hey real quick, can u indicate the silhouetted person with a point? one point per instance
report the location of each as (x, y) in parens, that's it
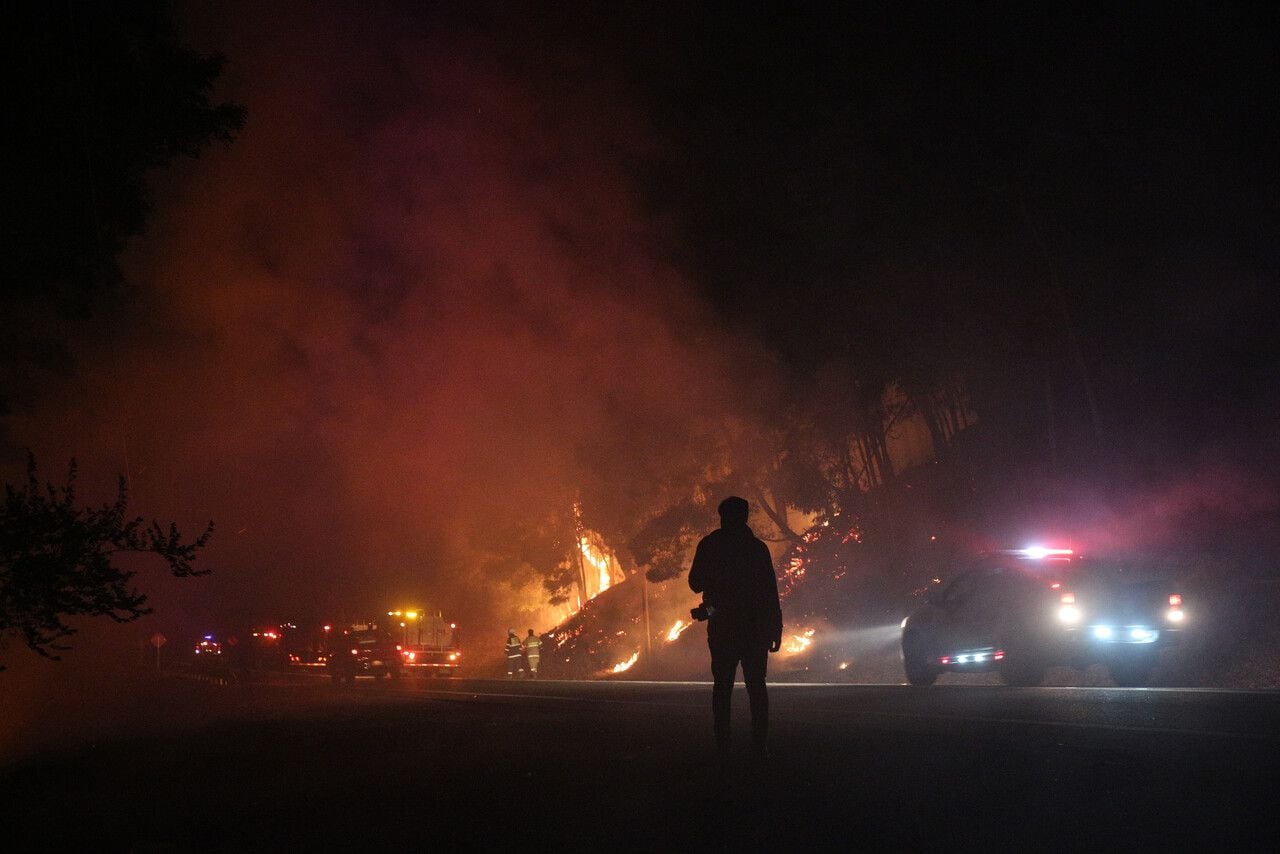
(734, 572)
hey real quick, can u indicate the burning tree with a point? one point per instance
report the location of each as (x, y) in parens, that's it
(57, 560)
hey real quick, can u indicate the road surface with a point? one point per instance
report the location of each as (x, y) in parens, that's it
(472, 764)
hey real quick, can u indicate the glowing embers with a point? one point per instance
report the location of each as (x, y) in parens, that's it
(677, 630)
(793, 574)
(799, 643)
(970, 657)
(1124, 634)
(626, 665)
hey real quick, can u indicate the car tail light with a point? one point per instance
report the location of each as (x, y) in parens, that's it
(1067, 611)
(399, 647)
(355, 652)
(946, 659)
(1175, 600)
(999, 656)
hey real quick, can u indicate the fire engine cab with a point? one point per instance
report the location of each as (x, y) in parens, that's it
(428, 642)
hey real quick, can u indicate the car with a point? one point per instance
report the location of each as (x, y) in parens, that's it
(1021, 611)
(364, 650)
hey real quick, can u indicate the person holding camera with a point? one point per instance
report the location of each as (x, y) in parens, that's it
(733, 571)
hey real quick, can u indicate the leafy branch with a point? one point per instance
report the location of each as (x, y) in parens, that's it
(57, 560)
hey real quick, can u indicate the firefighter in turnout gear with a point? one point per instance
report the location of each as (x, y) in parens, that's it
(514, 653)
(532, 652)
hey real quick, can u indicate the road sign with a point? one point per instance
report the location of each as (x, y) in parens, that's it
(158, 640)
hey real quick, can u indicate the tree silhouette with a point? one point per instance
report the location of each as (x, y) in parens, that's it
(98, 96)
(57, 560)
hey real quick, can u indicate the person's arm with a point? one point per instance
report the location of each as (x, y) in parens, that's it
(769, 581)
(698, 569)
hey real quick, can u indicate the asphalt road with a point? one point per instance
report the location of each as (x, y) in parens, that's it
(299, 764)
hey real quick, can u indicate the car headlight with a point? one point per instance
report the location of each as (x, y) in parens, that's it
(1069, 614)
(1175, 615)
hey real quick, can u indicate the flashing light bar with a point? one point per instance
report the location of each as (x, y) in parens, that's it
(1040, 552)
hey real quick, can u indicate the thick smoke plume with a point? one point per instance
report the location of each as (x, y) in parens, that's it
(402, 315)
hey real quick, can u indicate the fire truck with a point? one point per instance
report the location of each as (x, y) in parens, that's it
(428, 642)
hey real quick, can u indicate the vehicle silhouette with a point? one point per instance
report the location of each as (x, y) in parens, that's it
(1022, 611)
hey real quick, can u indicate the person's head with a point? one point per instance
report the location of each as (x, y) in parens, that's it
(530, 632)
(511, 632)
(733, 511)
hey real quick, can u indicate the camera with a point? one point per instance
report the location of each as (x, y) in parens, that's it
(702, 612)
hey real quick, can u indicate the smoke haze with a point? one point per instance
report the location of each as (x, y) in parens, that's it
(399, 315)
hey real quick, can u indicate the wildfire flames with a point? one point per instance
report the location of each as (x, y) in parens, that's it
(677, 629)
(598, 561)
(626, 665)
(800, 642)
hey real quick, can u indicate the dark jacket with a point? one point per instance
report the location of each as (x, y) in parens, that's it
(734, 572)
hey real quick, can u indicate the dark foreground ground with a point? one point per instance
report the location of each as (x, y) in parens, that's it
(301, 765)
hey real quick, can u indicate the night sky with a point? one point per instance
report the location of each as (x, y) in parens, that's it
(465, 264)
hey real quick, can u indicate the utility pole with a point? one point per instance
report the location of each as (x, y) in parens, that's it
(1053, 432)
(648, 633)
(1075, 351)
